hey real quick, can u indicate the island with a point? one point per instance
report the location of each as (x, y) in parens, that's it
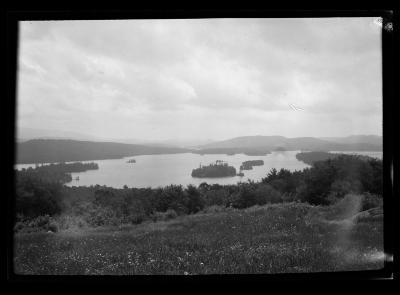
(59, 172)
(131, 161)
(248, 165)
(219, 169)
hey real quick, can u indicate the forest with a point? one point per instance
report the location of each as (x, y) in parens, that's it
(44, 203)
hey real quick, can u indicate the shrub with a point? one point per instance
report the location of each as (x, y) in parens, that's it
(70, 222)
(136, 218)
(218, 197)
(52, 226)
(214, 209)
(244, 198)
(194, 202)
(38, 199)
(163, 216)
(101, 216)
(340, 188)
(266, 194)
(371, 201)
(19, 225)
(37, 224)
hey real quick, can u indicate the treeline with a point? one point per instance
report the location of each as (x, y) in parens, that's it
(39, 190)
(311, 157)
(322, 184)
(329, 180)
(59, 173)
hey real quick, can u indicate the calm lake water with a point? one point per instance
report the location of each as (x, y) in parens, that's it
(162, 170)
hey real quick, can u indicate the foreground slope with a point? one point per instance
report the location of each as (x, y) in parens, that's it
(284, 238)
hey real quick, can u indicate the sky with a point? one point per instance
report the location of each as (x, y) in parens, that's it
(201, 79)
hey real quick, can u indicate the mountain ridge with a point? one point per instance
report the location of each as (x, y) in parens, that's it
(66, 150)
(299, 143)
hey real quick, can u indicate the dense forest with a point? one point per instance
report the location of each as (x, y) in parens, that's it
(39, 199)
(311, 157)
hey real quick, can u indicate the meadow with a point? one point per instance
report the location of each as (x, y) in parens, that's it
(273, 238)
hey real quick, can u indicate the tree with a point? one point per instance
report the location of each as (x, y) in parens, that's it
(195, 202)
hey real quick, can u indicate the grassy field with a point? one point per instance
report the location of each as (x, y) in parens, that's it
(281, 238)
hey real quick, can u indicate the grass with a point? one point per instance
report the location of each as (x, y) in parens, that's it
(280, 238)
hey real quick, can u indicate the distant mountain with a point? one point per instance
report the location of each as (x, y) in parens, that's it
(356, 139)
(25, 133)
(53, 150)
(183, 143)
(298, 143)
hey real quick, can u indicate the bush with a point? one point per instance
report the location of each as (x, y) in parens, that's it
(371, 201)
(163, 216)
(266, 194)
(19, 225)
(217, 197)
(214, 209)
(194, 202)
(245, 197)
(70, 222)
(37, 199)
(52, 226)
(136, 218)
(340, 188)
(37, 224)
(100, 216)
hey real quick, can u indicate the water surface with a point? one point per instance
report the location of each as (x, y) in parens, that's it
(162, 170)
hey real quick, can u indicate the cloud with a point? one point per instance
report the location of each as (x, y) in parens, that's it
(213, 77)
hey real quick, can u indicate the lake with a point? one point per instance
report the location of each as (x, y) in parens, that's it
(162, 170)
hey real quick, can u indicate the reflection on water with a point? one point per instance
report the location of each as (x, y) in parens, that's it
(162, 170)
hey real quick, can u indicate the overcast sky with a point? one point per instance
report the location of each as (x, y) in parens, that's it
(201, 79)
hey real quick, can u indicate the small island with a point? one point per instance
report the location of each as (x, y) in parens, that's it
(219, 169)
(131, 161)
(248, 165)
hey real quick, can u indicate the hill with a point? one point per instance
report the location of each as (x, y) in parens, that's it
(298, 143)
(356, 139)
(57, 150)
(282, 238)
